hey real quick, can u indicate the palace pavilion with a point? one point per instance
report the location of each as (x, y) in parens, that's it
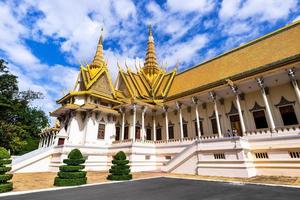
(234, 115)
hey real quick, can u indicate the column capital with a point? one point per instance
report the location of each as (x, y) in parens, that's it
(195, 100)
(165, 108)
(291, 73)
(133, 106)
(260, 82)
(122, 110)
(144, 109)
(212, 95)
(178, 105)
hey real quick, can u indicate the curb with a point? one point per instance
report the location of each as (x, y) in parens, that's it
(70, 187)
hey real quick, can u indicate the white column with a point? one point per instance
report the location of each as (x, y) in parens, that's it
(195, 101)
(234, 89)
(178, 104)
(51, 139)
(122, 110)
(45, 141)
(265, 98)
(213, 96)
(154, 126)
(143, 136)
(133, 122)
(294, 81)
(167, 122)
(40, 143)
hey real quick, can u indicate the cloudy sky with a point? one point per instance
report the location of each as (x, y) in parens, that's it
(45, 41)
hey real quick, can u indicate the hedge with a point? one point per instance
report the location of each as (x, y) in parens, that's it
(5, 160)
(69, 182)
(120, 170)
(71, 174)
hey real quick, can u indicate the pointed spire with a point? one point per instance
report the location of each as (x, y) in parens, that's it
(151, 66)
(98, 58)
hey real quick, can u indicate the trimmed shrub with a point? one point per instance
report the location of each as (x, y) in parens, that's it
(71, 174)
(120, 170)
(5, 160)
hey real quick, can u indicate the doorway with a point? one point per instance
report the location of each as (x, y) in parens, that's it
(137, 132)
(235, 124)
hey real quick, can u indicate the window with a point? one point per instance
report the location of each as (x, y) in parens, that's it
(262, 155)
(260, 119)
(61, 141)
(288, 115)
(219, 155)
(118, 133)
(294, 154)
(171, 132)
(147, 157)
(126, 130)
(137, 132)
(101, 131)
(201, 128)
(214, 125)
(185, 130)
(148, 134)
(168, 157)
(158, 134)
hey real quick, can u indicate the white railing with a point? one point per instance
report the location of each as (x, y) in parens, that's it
(30, 155)
(186, 153)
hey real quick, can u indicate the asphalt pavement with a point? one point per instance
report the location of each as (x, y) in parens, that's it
(166, 189)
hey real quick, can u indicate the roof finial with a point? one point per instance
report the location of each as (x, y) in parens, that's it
(98, 58)
(150, 30)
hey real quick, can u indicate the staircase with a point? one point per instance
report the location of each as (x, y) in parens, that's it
(180, 158)
(33, 158)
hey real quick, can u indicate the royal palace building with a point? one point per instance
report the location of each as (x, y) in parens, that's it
(237, 114)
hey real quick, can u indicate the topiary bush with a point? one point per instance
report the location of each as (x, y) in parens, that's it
(120, 170)
(5, 160)
(71, 174)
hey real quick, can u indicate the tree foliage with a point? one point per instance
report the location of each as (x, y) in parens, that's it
(20, 123)
(5, 184)
(120, 170)
(71, 174)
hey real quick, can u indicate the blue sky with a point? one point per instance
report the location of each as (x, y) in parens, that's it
(45, 41)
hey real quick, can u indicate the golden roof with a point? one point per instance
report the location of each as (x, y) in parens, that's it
(151, 82)
(274, 47)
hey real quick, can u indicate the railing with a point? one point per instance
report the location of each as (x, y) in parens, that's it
(189, 150)
(30, 155)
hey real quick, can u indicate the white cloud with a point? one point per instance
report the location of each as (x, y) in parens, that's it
(185, 52)
(190, 5)
(266, 10)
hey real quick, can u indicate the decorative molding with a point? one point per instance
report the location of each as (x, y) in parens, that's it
(200, 119)
(242, 96)
(83, 115)
(221, 100)
(170, 123)
(138, 124)
(189, 109)
(214, 115)
(257, 107)
(283, 102)
(233, 110)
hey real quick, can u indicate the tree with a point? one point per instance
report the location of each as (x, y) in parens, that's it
(20, 123)
(5, 160)
(120, 170)
(71, 174)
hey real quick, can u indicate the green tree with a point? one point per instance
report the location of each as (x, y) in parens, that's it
(120, 170)
(5, 184)
(71, 174)
(20, 123)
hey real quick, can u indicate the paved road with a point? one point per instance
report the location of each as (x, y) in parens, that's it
(166, 188)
